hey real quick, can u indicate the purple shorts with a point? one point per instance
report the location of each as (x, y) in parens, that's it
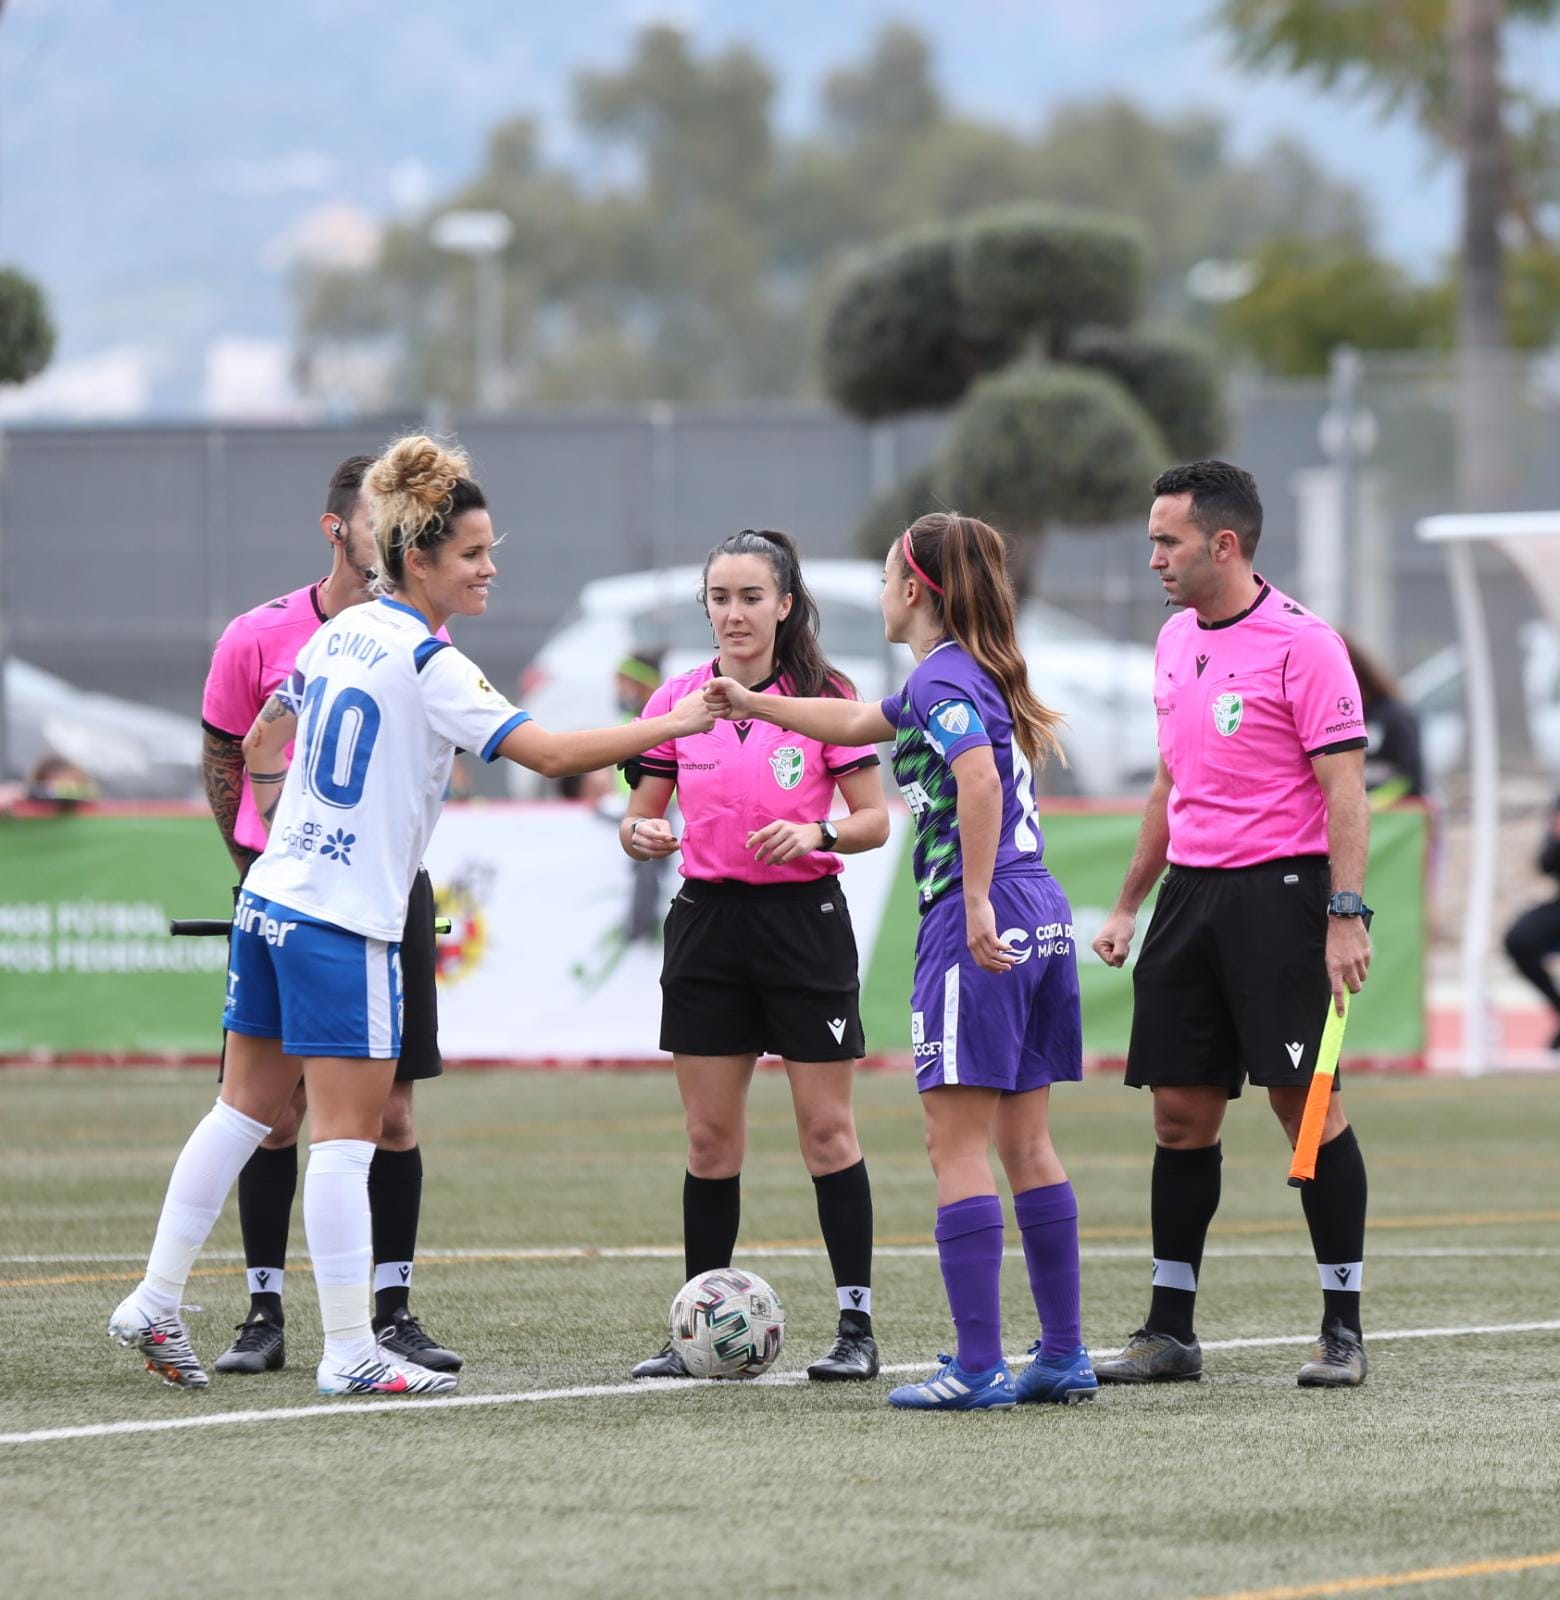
(1016, 1030)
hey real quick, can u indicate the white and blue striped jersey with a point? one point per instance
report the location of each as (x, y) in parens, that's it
(382, 707)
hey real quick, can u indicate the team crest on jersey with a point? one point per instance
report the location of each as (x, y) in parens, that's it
(788, 763)
(954, 719)
(483, 687)
(1227, 709)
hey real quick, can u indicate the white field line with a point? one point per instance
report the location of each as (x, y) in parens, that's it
(645, 1387)
(666, 1252)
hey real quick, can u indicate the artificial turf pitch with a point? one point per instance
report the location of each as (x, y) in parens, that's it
(1447, 1462)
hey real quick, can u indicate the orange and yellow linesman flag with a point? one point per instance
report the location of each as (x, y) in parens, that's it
(1303, 1168)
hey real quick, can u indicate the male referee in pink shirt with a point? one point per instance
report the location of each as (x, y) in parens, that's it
(1259, 810)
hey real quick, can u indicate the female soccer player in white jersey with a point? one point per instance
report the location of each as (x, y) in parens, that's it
(379, 706)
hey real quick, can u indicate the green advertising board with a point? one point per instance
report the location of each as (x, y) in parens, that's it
(87, 968)
(86, 964)
(1089, 850)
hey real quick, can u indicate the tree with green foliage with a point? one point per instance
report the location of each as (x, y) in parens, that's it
(26, 333)
(696, 260)
(1442, 60)
(1023, 318)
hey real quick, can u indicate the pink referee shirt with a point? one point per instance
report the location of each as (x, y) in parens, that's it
(741, 776)
(1243, 706)
(257, 651)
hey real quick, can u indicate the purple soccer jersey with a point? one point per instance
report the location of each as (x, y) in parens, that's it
(948, 705)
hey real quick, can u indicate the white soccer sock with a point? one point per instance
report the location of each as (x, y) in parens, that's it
(340, 1234)
(207, 1168)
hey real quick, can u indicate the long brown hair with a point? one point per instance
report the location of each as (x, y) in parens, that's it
(798, 654)
(966, 560)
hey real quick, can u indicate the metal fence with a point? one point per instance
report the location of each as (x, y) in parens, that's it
(127, 549)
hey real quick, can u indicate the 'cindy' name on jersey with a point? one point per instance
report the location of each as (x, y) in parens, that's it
(362, 646)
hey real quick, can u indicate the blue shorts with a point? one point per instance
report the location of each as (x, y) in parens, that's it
(1016, 1030)
(318, 988)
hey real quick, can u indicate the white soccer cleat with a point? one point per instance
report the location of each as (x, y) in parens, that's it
(377, 1376)
(163, 1341)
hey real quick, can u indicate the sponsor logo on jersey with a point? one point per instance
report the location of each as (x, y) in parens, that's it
(338, 847)
(1227, 709)
(788, 763)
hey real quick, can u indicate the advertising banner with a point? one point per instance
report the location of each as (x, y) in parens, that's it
(554, 949)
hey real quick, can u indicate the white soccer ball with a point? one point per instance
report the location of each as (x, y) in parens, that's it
(727, 1324)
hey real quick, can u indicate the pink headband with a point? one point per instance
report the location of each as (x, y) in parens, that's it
(915, 566)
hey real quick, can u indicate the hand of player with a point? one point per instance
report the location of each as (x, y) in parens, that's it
(784, 841)
(726, 698)
(1113, 943)
(1348, 956)
(980, 934)
(692, 714)
(650, 838)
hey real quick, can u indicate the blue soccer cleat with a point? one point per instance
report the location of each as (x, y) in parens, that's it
(1059, 1381)
(951, 1388)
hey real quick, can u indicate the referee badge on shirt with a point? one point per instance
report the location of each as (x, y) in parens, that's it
(788, 763)
(1227, 709)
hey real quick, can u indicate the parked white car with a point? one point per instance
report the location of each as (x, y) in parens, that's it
(1105, 689)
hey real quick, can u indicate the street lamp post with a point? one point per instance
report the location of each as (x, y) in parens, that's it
(482, 235)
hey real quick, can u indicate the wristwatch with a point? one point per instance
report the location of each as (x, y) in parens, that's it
(1345, 903)
(831, 834)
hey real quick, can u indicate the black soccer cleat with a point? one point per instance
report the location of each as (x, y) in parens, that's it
(402, 1338)
(852, 1358)
(259, 1347)
(1150, 1357)
(666, 1363)
(1338, 1361)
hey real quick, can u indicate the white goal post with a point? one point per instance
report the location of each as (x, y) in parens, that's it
(1530, 540)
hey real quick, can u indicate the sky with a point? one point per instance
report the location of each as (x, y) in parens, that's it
(154, 154)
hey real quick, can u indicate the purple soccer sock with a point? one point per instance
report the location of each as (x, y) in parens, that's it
(969, 1246)
(1048, 1221)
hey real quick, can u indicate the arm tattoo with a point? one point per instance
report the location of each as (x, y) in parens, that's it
(222, 773)
(273, 710)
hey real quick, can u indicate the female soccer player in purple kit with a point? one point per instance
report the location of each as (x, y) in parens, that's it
(994, 1018)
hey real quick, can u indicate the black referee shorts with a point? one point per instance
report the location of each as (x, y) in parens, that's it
(1231, 982)
(419, 1056)
(754, 969)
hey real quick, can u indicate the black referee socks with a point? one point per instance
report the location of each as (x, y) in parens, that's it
(845, 1220)
(1184, 1195)
(1334, 1204)
(395, 1183)
(712, 1210)
(266, 1187)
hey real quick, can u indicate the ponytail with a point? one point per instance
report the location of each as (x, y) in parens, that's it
(963, 563)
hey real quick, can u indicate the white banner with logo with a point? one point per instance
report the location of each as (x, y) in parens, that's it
(539, 962)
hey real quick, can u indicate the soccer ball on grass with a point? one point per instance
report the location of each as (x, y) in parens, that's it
(727, 1324)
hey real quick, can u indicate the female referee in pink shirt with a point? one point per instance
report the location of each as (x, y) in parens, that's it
(760, 956)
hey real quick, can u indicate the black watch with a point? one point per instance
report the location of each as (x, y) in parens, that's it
(1345, 903)
(831, 834)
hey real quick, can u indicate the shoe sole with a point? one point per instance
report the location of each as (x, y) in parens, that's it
(1069, 1397)
(990, 1405)
(1157, 1377)
(245, 1366)
(1328, 1383)
(841, 1377)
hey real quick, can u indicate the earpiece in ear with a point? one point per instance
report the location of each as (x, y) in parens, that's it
(336, 533)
